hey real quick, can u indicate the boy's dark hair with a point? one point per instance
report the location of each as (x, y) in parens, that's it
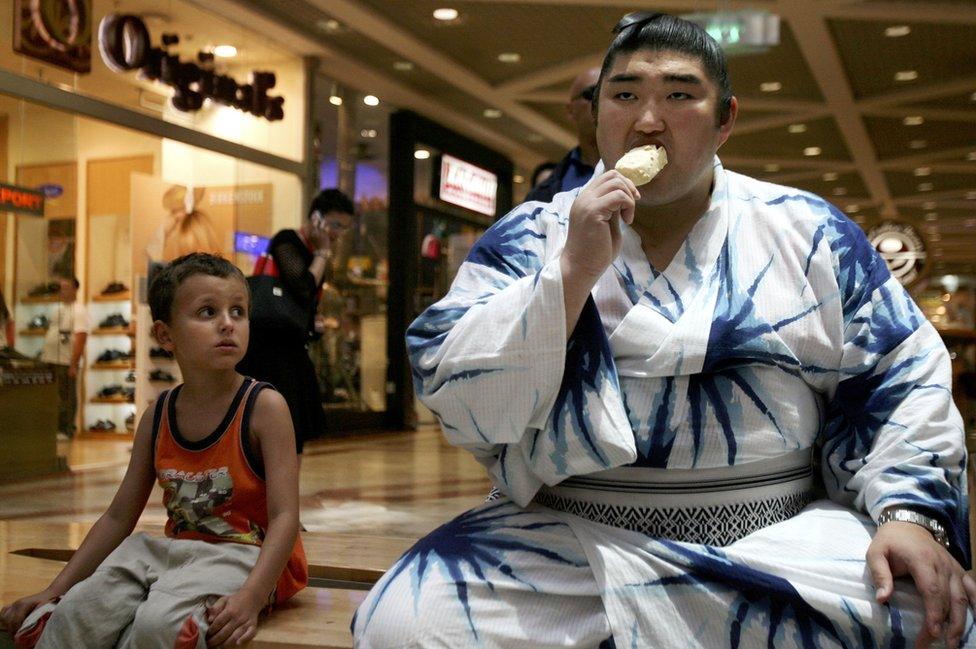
(331, 200)
(642, 30)
(162, 290)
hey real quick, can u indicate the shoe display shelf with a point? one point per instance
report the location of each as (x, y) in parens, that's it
(110, 357)
(155, 372)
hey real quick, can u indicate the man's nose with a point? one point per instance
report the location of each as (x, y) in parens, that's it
(649, 120)
(226, 321)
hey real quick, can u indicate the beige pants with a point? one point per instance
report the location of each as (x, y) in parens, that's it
(150, 592)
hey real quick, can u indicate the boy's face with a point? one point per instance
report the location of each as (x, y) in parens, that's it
(208, 326)
(664, 98)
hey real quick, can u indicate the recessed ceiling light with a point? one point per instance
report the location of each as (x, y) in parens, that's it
(906, 75)
(913, 120)
(797, 128)
(918, 144)
(421, 154)
(972, 97)
(492, 113)
(811, 151)
(335, 100)
(971, 156)
(517, 179)
(923, 171)
(925, 187)
(445, 14)
(225, 51)
(971, 196)
(839, 191)
(371, 100)
(771, 168)
(509, 57)
(330, 25)
(853, 208)
(898, 30)
(932, 216)
(771, 86)
(929, 205)
(830, 176)
(368, 133)
(403, 66)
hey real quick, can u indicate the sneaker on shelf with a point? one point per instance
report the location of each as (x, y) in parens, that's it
(130, 422)
(130, 376)
(161, 375)
(39, 322)
(114, 287)
(111, 356)
(42, 290)
(110, 391)
(159, 352)
(129, 394)
(114, 321)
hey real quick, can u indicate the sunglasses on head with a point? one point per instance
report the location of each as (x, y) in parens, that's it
(636, 18)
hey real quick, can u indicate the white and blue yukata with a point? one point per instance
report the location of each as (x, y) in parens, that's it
(702, 463)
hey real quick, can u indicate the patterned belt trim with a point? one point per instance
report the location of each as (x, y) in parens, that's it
(716, 525)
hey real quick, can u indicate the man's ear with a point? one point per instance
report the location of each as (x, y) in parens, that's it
(160, 331)
(725, 126)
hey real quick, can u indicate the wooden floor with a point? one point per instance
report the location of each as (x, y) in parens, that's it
(401, 484)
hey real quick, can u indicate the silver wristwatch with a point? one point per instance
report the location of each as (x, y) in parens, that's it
(912, 516)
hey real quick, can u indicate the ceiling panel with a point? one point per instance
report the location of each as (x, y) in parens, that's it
(782, 63)
(892, 139)
(956, 101)
(780, 143)
(909, 183)
(937, 51)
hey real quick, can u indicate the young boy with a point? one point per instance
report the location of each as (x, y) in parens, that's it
(223, 450)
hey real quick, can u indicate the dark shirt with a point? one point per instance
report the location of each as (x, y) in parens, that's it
(570, 173)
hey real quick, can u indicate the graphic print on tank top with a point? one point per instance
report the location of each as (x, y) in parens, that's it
(192, 500)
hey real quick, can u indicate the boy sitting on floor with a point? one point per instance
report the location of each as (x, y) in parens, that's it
(223, 450)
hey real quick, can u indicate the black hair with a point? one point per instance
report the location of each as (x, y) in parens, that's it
(162, 290)
(657, 32)
(331, 200)
(540, 168)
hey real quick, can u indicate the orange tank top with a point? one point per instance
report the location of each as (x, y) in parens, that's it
(212, 490)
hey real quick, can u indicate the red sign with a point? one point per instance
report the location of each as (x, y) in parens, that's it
(464, 184)
(21, 200)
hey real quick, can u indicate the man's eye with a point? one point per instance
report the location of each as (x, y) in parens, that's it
(626, 96)
(680, 95)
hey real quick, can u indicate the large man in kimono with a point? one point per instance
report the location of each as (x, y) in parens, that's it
(714, 418)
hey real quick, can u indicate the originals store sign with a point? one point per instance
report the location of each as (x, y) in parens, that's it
(124, 43)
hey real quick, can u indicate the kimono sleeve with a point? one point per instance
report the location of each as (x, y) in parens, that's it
(893, 435)
(490, 360)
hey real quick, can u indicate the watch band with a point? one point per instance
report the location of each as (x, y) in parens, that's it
(911, 516)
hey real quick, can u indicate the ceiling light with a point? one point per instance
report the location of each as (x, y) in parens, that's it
(972, 97)
(906, 75)
(830, 176)
(771, 86)
(225, 51)
(330, 25)
(517, 179)
(797, 128)
(421, 154)
(971, 156)
(445, 14)
(811, 151)
(931, 216)
(771, 168)
(971, 196)
(403, 66)
(509, 57)
(368, 133)
(923, 171)
(913, 120)
(929, 205)
(925, 187)
(890, 244)
(853, 208)
(371, 100)
(918, 144)
(839, 191)
(898, 30)
(492, 113)
(335, 100)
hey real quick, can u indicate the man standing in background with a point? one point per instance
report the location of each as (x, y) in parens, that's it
(577, 166)
(63, 348)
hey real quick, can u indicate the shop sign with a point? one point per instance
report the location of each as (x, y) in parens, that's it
(124, 43)
(902, 249)
(51, 190)
(54, 31)
(21, 200)
(250, 244)
(462, 183)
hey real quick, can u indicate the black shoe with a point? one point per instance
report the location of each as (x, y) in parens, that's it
(159, 352)
(41, 290)
(114, 287)
(110, 390)
(112, 356)
(116, 320)
(161, 375)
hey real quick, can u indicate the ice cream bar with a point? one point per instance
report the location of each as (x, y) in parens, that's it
(643, 163)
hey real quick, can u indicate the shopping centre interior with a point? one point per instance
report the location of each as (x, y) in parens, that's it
(870, 104)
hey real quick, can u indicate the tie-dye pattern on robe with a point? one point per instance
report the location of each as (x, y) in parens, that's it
(775, 328)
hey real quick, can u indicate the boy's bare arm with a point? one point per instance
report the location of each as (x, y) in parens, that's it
(106, 534)
(233, 619)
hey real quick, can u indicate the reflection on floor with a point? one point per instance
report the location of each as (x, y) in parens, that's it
(393, 484)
